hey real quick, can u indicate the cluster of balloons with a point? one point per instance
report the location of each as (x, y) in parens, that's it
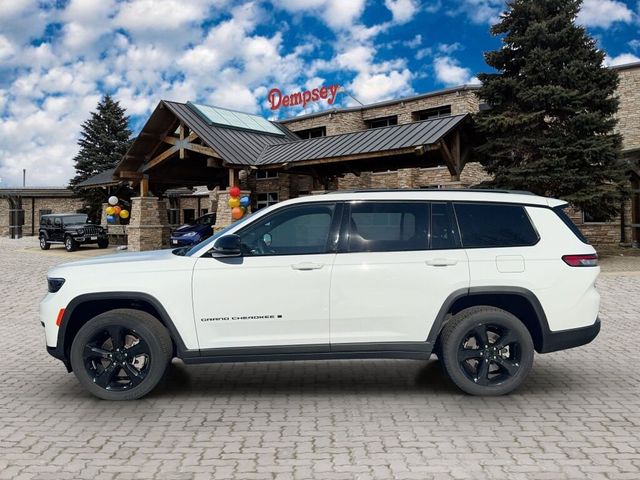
(114, 211)
(238, 205)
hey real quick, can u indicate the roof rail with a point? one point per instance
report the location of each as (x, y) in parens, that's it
(382, 190)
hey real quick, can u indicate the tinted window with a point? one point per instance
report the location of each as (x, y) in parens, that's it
(569, 223)
(291, 231)
(385, 227)
(442, 231)
(493, 225)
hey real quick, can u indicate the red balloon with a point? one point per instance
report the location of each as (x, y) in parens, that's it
(234, 191)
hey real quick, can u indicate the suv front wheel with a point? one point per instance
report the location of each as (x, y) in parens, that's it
(121, 354)
(486, 351)
(70, 244)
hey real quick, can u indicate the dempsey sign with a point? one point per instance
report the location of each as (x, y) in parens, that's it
(277, 99)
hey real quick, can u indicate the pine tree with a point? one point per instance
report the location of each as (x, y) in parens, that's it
(104, 139)
(551, 126)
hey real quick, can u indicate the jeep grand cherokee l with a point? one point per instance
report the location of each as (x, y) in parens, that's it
(481, 279)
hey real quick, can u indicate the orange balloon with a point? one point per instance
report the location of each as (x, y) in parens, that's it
(116, 210)
(236, 213)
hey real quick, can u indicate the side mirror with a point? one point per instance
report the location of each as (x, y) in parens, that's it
(227, 246)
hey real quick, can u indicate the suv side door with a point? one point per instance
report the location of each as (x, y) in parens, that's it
(56, 229)
(277, 292)
(397, 264)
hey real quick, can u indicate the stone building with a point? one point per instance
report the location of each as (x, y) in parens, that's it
(35, 202)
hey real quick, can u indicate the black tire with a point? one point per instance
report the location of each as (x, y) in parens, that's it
(495, 362)
(70, 244)
(44, 245)
(121, 354)
(103, 243)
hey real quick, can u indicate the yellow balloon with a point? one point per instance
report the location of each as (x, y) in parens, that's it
(234, 202)
(124, 213)
(109, 210)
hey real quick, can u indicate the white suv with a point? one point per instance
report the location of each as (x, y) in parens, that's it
(480, 278)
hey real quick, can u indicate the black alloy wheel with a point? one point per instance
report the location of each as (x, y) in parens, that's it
(121, 354)
(486, 350)
(489, 354)
(117, 358)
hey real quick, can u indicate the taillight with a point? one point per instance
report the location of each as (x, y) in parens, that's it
(590, 260)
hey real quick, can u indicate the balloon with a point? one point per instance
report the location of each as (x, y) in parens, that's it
(124, 213)
(245, 201)
(109, 210)
(234, 202)
(113, 200)
(234, 191)
(111, 219)
(116, 210)
(236, 213)
(244, 209)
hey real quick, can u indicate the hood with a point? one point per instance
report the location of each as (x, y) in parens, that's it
(150, 256)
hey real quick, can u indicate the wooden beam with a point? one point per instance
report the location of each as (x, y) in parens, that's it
(449, 160)
(234, 178)
(160, 158)
(181, 133)
(144, 186)
(194, 147)
(129, 175)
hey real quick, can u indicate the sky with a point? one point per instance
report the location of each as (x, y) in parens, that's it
(59, 57)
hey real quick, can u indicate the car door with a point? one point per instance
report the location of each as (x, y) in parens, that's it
(395, 268)
(56, 232)
(277, 292)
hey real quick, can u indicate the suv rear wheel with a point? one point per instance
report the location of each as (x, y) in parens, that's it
(121, 354)
(70, 244)
(486, 351)
(44, 245)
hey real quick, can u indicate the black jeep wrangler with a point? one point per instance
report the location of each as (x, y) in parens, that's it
(71, 229)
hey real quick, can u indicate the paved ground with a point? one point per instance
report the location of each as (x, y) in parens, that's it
(577, 417)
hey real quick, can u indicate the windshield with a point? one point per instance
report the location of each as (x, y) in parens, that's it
(74, 219)
(204, 244)
(205, 220)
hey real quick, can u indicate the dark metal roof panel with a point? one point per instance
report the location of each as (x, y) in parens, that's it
(100, 179)
(426, 132)
(235, 146)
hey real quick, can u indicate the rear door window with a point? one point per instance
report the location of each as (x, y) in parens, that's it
(488, 225)
(388, 226)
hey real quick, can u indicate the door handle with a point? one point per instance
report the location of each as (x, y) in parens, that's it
(441, 262)
(307, 266)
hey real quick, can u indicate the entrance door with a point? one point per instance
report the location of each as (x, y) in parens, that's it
(400, 263)
(277, 293)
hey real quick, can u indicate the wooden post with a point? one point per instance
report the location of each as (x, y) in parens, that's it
(144, 186)
(234, 178)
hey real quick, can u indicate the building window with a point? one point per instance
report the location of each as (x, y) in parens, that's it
(435, 112)
(204, 211)
(312, 133)
(266, 199)
(189, 215)
(264, 174)
(592, 217)
(382, 122)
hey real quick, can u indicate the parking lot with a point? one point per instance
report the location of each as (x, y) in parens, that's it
(577, 417)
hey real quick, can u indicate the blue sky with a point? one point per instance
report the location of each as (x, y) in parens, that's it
(57, 57)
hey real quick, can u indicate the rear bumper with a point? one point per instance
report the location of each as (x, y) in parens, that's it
(564, 339)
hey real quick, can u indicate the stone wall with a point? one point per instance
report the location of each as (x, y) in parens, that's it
(32, 207)
(629, 109)
(604, 233)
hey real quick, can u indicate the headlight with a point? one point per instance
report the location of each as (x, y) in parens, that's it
(80, 231)
(190, 234)
(54, 284)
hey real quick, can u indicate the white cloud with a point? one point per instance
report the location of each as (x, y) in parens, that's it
(372, 87)
(449, 72)
(402, 10)
(414, 42)
(337, 14)
(621, 59)
(603, 13)
(481, 11)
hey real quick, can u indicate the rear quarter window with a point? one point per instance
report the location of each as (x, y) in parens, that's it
(486, 225)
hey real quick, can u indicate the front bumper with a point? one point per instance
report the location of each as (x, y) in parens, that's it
(574, 337)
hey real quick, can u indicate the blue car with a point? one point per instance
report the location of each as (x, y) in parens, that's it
(194, 232)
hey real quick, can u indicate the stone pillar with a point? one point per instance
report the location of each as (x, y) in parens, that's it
(405, 177)
(103, 215)
(223, 212)
(213, 199)
(148, 228)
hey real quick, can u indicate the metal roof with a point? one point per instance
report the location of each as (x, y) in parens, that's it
(236, 146)
(100, 179)
(41, 192)
(397, 137)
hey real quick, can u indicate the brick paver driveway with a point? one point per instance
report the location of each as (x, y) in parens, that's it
(578, 416)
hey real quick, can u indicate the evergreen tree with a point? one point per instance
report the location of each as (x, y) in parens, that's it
(550, 128)
(104, 139)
